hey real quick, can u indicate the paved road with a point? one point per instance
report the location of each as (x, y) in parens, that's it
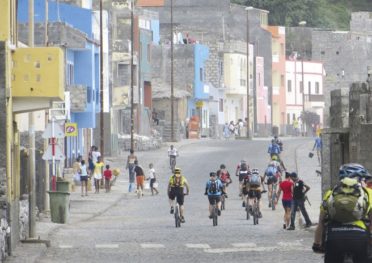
(142, 230)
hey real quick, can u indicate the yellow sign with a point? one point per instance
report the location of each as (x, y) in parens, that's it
(199, 104)
(71, 129)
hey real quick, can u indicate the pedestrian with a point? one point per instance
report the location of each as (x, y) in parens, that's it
(90, 160)
(152, 178)
(226, 131)
(286, 187)
(98, 171)
(130, 166)
(84, 178)
(76, 169)
(95, 154)
(232, 128)
(299, 196)
(140, 176)
(108, 175)
(318, 144)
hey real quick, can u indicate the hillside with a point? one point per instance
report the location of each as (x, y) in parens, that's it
(333, 14)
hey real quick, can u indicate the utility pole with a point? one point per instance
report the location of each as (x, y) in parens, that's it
(302, 24)
(132, 76)
(172, 80)
(102, 126)
(31, 134)
(248, 74)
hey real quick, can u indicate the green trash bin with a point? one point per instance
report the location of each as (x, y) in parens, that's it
(63, 186)
(59, 206)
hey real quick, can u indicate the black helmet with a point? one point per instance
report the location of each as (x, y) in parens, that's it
(353, 170)
(212, 174)
(222, 166)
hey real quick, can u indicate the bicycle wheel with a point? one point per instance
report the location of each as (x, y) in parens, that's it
(223, 202)
(215, 215)
(255, 214)
(273, 198)
(177, 218)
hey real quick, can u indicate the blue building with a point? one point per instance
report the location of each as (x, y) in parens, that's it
(82, 64)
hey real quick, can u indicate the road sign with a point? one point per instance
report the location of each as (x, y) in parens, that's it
(199, 104)
(58, 131)
(58, 155)
(71, 129)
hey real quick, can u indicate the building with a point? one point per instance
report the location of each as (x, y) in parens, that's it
(299, 100)
(278, 80)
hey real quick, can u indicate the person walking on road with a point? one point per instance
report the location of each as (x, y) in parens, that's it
(140, 176)
(130, 166)
(286, 187)
(318, 147)
(98, 171)
(152, 178)
(299, 196)
(108, 175)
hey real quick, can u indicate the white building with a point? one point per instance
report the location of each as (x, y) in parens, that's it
(313, 97)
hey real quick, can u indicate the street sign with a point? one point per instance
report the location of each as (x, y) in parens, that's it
(58, 131)
(58, 155)
(71, 129)
(199, 104)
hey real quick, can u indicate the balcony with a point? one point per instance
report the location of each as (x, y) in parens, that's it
(78, 98)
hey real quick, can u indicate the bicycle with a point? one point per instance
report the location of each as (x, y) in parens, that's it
(177, 215)
(215, 213)
(255, 210)
(273, 196)
(222, 202)
(172, 163)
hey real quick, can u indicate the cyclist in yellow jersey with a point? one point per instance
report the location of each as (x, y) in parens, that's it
(337, 238)
(176, 185)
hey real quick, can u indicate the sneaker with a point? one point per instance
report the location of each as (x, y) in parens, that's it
(291, 228)
(210, 216)
(243, 204)
(259, 214)
(284, 226)
(269, 204)
(172, 210)
(183, 220)
(219, 212)
(310, 225)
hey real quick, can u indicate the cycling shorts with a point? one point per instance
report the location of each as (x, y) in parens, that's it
(272, 180)
(254, 193)
(177, 193)
(214, 198)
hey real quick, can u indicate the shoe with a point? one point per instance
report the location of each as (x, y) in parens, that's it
(219, 212)
(270, 205)
(291, 228)
(243, 204)
(259, 215)
(183, 220)
(310, 225)
(210, 216)
(172, 210)
(284, 226)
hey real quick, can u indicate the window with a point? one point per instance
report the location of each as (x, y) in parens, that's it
(243, 82)
(148, 53)
(201, 74)
(282, 50)
(89, 94)
(309, 87)
(322, 52)
(301, 87)
(123, 74)
(293, 116)
(288, 118)
(70, 74)
(317, 88)
(289, 85)
(220, 67)
(282, 80)
(259, 79)
(221, 105)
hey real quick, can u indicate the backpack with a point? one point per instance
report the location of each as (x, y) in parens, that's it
(271, 171)
(255, 180)
(213, 187)
(348, 202)
(298, 190)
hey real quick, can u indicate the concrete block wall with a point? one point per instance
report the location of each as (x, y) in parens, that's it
(339, 109)
(78, 98)
(361, 21)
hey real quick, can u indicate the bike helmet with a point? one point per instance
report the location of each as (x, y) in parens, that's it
(255, 171)
(177, 170)
(212, 174)
(274, 158)
(353, 170)
(222, 166)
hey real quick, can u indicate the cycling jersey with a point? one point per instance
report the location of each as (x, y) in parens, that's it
(177, 182)
(219, 187)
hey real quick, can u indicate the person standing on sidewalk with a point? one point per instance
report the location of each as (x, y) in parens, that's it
(287, 188)
(299, 195)
(83, 178)
(130, 166)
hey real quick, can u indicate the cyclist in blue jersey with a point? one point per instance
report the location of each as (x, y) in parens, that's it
(273, 149)
(214, 190)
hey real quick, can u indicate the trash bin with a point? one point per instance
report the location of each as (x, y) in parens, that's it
(63, 186)
(59, 206)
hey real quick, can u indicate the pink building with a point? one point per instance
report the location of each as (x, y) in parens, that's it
(263, 113)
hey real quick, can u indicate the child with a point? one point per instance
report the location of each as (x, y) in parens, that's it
(83, 178)
(98, 169)
(152, 179)
(107, 174)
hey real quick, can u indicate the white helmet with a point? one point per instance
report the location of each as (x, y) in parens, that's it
(255, 171)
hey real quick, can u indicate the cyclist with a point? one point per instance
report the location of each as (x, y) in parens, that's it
(172, 154)
(273, 149)
(214, 190)
(254, 189)
(272, 174)
(278, 142)
(346, 233)
(224, 176)
(176, 185)
(242, 171)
